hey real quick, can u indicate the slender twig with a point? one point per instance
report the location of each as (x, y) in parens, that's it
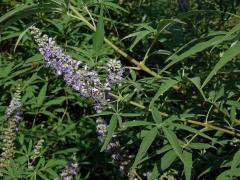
(90, 15)
(195, 122)
(117, 49)
(66, 107)
(206, 119)
(195, 135)
(134, 174)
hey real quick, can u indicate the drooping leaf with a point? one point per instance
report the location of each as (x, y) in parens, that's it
(111, 129)
(156, 115)
(197, 82)
(165, 86)
(173, 140)
(136, 123)
(155, 172)
(193, 50)
(187, 164)
(235, 163)
(227, 56)
(20, 38)
(144, 146)
(98, 37)
(167, 159)
(42, 95)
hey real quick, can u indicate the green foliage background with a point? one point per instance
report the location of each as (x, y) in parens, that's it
(181, 122)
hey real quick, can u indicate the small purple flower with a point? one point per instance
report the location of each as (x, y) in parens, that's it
(119, 156)
(114, 72)
(70, 170)
(86, 82)
(14, 109)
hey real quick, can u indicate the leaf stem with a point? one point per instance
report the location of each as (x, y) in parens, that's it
(195, 122)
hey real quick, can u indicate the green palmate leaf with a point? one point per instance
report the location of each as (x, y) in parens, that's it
(111, 129)
(43, 176)
(34, 58)
(52, 172)
(155, 172)
(197, 82)
(233, 114)
(139, 36)
(200, 146)
(165, 148)
(11, 36)
(167, 159)
(19, 38)
(227, 56)
(173, 140)
(67, 151)
(165, 86)
(115, 7)
(98, 37)
(225, 175)
(24, 11)
(6, 70)
(195, 49)
(19, 72)
(145, 144)
(42, 95)
(228, 35)
(29, 146)
(13, 12)
(185, 158)
(187, 164)
(190, 129)
(136, 123)
(68, 129)
(119, 120)
(57, 101)
(156, 115)
(235, 163)
(54, 162)
(130, 114)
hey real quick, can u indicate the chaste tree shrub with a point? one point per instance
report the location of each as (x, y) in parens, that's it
(119, 89)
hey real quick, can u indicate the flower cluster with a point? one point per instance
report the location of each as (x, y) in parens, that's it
(120, 157)
(88, 84)
(81, 79)
(36, 152)
(114, 72)
(70, 169)
(12, 117)
(14, 109)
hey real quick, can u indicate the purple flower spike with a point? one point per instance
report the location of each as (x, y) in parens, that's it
(84, 81)
(14, 109)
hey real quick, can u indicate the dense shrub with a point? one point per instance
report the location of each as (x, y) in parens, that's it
(119, 89)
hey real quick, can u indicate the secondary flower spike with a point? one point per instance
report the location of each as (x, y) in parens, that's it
(12, 118)
(119, 156)
(70, 170)
(14, 109)
(86, 82)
